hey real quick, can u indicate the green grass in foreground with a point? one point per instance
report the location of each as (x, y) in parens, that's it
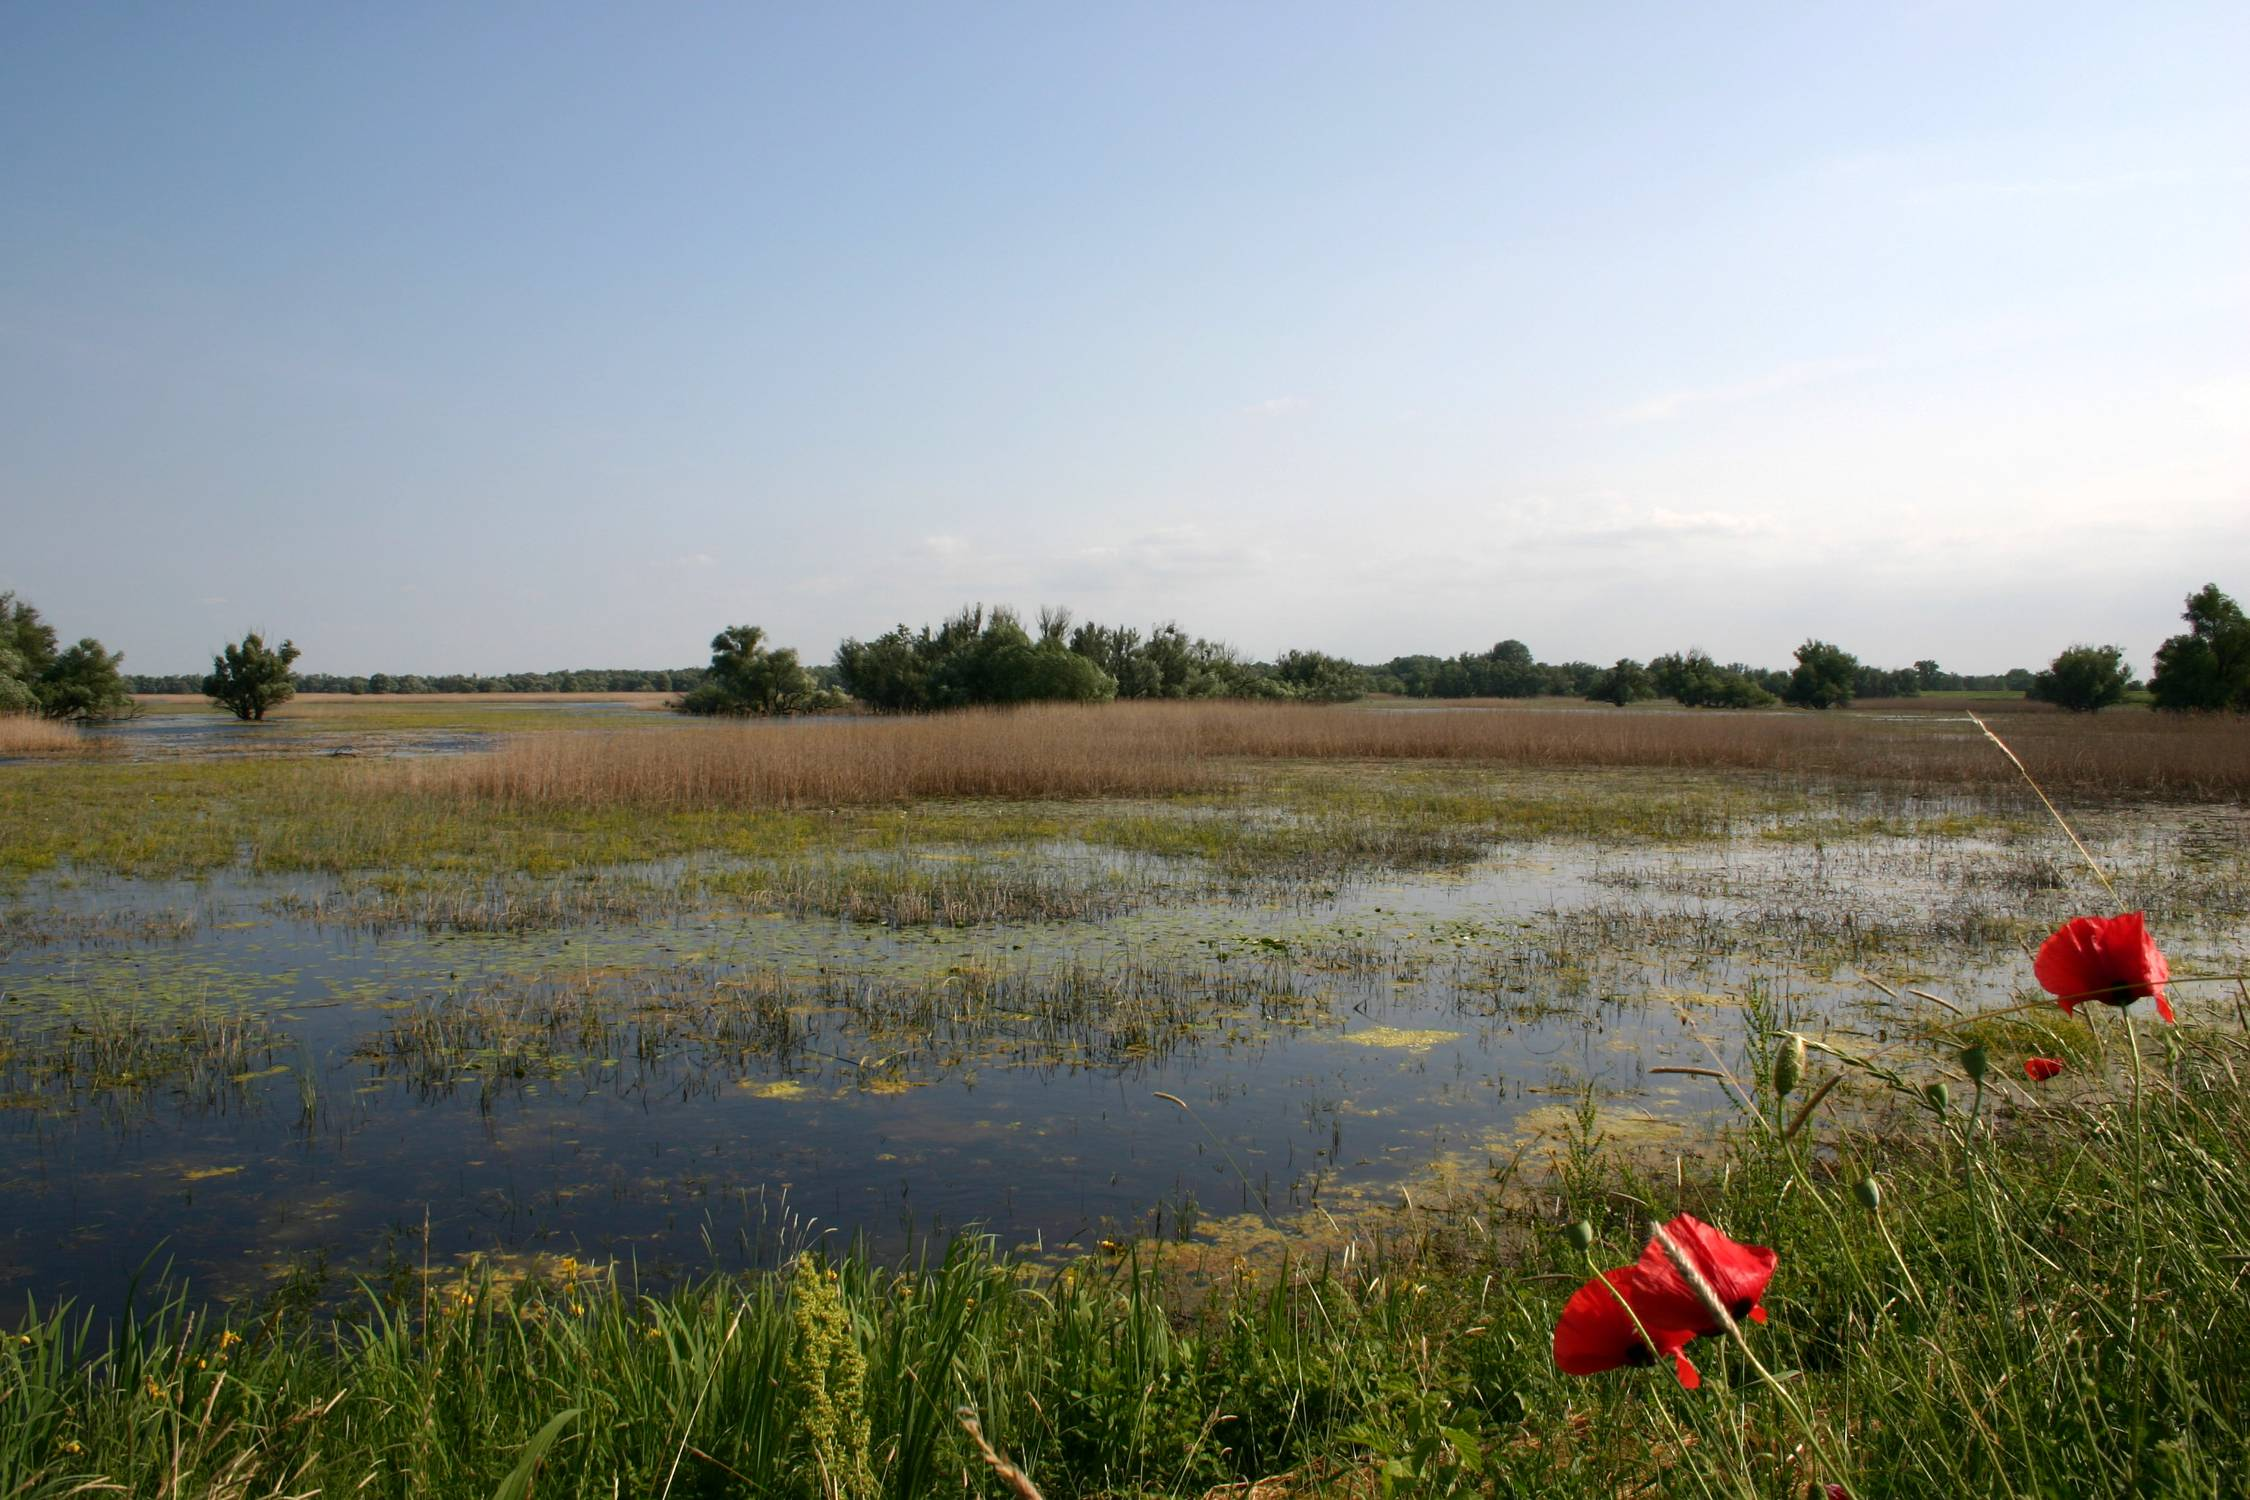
(2048, 1302)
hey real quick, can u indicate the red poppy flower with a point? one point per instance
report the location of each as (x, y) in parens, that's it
(2110, 959)
(2040, 1069)
(1595, 1333)
(1737, 1273)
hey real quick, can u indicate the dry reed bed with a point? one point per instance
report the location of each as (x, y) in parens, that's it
(1142, 749)
(21, 734)
(1029, 753)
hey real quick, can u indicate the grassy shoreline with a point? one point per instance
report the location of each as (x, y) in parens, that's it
(2023, 1315)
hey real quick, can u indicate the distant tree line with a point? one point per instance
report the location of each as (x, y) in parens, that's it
(990, 656)
(1508, 670)
(588, 680)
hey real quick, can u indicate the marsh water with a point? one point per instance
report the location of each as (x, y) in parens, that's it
(260, 1083)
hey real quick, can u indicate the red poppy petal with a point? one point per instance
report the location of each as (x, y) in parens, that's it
(2040, 1069)
(1758, 1313)
(1689, 1377)
(2064, 964)
(2112, 959)
(2164, 1008)
(1594, 1333)
(1597, 1333)
(1738, 1273)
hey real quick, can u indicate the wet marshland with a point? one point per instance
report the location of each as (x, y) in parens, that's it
(275, 1082)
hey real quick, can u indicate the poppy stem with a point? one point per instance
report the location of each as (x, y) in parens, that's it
(1899, 1256)
(2140, 1247)
(1692, 1274)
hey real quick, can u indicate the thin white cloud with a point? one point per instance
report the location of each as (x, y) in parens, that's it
(2064, 186)
(1167, 554)
(687, 560)
(1791, 377)
(947, 547)
(1605, 522)
(1275, 406)
(2224, 403)
(1706, 523)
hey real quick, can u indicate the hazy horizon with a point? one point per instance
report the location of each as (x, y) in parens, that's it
(447, 341)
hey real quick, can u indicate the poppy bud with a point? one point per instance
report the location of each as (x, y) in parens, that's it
(1789, 1066)
(1940, 1097)
(1869, 1192)
(1580, 1235)
(1974, 1061)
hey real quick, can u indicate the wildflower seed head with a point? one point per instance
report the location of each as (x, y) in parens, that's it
(1869, 1192)
(1940, 1097)
(1789, 1066)
(1974, 1062)
(1580, 1235)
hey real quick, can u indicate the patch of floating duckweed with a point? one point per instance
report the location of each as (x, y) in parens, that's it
(1697, 999)
(1620, 1128)
(1405, 1039)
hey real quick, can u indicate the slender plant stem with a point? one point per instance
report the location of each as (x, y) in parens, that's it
(2134, 1311)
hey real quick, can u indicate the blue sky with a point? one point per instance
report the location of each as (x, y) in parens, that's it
(500, 338)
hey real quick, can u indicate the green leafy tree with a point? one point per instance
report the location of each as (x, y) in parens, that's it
(252, 677)
(978, 656)
(747, 677)
(890, 672)
(2209, 667)
(27, 649)
(1626, 682)
(83, 682)
(16, 677)
(1882, 682)
(1693, 680)
(1317, 677)
(2084, 679)
(1824, 678)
